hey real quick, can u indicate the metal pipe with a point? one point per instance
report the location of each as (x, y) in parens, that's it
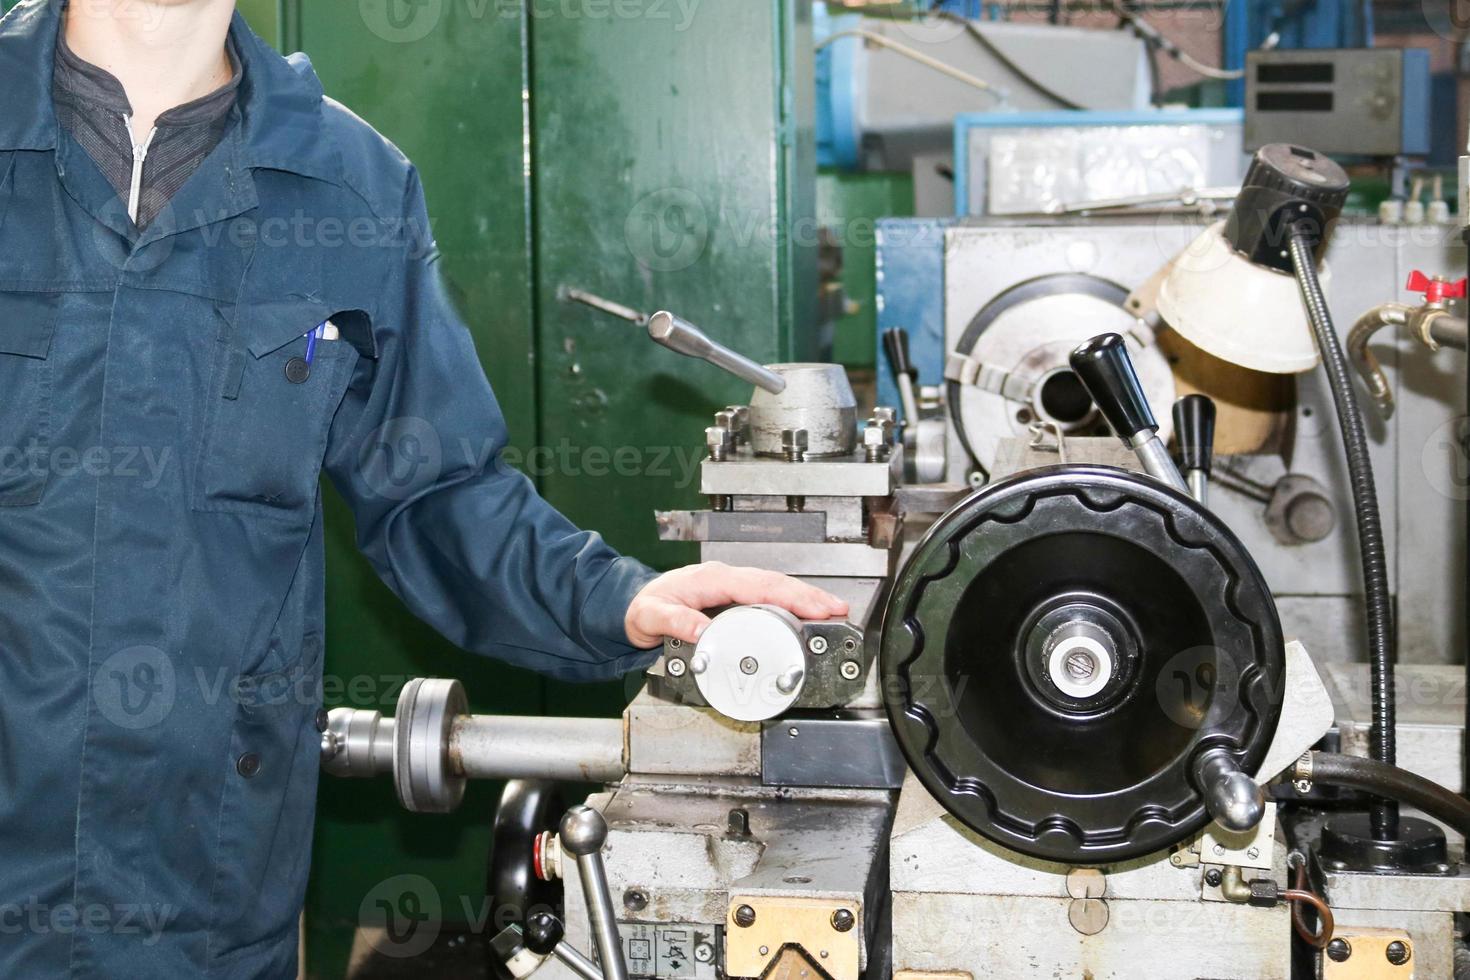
(584, 750)
(683, 337)
(1443, 330)
(1368, 368)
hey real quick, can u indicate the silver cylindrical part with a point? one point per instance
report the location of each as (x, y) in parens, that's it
(1199, 486)
(357, 743)
(603, 918)
(1156, 460)
(683, 337)
(573, 960)
(584, 750)
(583, 833)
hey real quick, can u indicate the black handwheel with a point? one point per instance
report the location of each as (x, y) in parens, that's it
(527, 808)
(1061, 647)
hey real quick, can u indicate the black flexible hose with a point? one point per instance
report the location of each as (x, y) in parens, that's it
(1385, 817)
(1371, 776)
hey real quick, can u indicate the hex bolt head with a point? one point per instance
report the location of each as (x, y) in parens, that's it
(719, 442)
(794, 444)
(1397, 953)
(745, 916)
(1338, 951)
(737, 822)
(843, 920)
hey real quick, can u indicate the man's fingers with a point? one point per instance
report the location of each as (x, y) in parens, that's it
(752, 585)
(667, 619)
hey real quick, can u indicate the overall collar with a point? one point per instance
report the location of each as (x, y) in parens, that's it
(280, 101)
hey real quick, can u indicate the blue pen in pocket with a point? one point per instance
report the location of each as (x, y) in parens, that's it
(311, 340)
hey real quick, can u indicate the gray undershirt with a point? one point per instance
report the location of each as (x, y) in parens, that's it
(91, 105)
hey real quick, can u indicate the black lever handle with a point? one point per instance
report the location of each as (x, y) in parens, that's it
(1194, 426)
(1106, 371)
(896, 343)
(543, 932)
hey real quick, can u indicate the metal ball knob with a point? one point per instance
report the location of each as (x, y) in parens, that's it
(583, 831)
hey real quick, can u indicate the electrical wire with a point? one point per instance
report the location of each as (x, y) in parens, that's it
(1377, 598)
(1031, 80)
(1156, 38)
(919, 56)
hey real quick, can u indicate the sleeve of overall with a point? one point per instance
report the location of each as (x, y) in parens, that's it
(457, 533)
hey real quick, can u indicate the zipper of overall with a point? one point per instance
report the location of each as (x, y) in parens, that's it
(140, 154)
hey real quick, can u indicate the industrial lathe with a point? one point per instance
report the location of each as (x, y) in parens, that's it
(1102, 708)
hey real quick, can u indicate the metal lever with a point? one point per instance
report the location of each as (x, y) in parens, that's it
(525, 950)
(1194, 427)
(1106, 371)
(583, 832)
(1232, 797)
(896, 343)
(683, 337)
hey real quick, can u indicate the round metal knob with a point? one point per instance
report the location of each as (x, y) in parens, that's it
(750, 664)
(583, 831)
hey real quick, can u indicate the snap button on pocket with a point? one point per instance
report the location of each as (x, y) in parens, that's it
(297, 371)
(248, 765)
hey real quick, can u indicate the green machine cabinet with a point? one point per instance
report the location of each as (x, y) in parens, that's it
(674, 162)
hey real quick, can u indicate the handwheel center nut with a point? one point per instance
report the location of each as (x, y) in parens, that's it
(1081, 659)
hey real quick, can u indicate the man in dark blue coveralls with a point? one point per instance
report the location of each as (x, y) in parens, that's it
(215, 284)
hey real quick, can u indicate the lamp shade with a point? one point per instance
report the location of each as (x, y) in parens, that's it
(1243, 313)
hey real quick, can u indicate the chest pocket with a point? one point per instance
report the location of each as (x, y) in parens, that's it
(270, 413)
(27, 327)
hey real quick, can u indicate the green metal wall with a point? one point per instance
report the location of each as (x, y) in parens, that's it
(547, 144)
(666, 176)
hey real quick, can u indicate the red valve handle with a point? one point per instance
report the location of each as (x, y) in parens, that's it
(1435, 290)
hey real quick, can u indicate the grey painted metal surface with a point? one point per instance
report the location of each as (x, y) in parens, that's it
(1417, 455)
(845, 750)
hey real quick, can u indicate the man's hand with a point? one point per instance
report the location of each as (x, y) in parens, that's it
(671, 604)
